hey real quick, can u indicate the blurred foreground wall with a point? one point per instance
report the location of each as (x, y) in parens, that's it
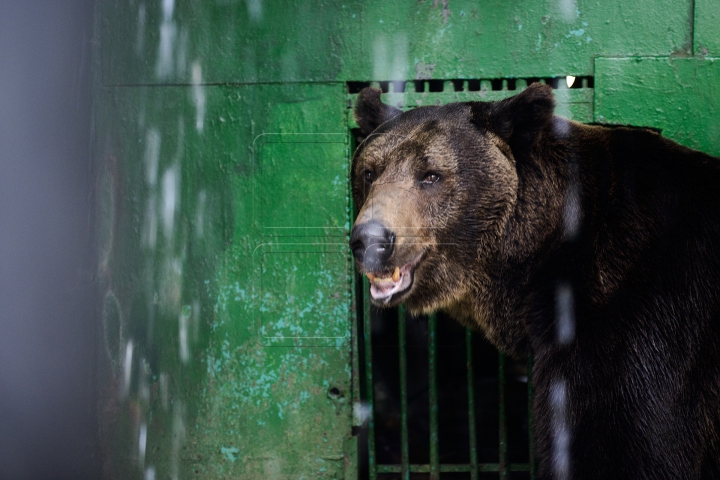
(47, 329)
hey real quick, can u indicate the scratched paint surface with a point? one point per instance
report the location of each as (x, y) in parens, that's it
(293, 40)
(223, 223)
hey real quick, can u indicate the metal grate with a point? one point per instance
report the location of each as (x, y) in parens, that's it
(575, 102)
(405, 468)
(468, 85)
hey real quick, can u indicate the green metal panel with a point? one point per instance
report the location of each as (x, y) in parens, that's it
(295, 40)
(681, 96)
(226, 281)
(707, 27)
(247, 42)
(470, 39)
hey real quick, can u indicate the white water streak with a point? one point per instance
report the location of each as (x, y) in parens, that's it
(127, 369)
(168, 31)
(198, 95)
(561, 430)
(565, 313)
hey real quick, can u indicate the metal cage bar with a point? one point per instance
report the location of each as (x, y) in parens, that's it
(404, 447)
(531, 439)
(472, 426)
(434, 435)
(502, 415)
(367, 338)
(459, 467)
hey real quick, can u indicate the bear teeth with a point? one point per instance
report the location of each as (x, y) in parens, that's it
(383, 280)
(380, 278)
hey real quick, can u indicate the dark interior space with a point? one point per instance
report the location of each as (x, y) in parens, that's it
(453, 418)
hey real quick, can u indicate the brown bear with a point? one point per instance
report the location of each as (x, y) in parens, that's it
(595, 249)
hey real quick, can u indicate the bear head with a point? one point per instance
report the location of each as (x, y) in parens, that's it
(435, 190)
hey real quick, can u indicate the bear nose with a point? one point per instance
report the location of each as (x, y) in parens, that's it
(372, 244)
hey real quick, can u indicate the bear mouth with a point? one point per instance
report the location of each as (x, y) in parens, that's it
(388, 284)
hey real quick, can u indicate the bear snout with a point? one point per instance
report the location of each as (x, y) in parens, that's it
(372, 244)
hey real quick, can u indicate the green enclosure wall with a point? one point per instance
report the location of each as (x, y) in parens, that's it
(222, 149)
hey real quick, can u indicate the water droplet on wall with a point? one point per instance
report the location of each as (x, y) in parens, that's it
(170, 199)
(561, 430)
(168, 32)
(142, 444)
(564, 313)
(127, 369)
(198, 95)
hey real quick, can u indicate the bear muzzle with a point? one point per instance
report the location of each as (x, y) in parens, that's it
(383, 286)
(373, 246)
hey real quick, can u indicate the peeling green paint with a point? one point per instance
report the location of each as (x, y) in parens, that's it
(229, 453)
(223, 321)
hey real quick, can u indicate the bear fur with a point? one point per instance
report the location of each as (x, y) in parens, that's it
(595, 249)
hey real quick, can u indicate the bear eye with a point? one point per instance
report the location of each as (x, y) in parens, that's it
(431, 178)
(369, 176)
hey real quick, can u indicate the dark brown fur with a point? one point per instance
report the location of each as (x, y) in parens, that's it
(529, 205)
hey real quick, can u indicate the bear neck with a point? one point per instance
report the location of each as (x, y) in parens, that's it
(645, 210)
(502, 301)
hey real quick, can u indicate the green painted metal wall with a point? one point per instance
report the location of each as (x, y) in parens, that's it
(225, 286)
(258, 41)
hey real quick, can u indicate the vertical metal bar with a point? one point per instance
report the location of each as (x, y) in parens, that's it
(404, 448)
(471, 406)
(355, 346)
(531, 431)
(434, 437)
(369, 392)
(503, 424)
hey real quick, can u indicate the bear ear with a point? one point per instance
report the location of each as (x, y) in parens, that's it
(519, 120)
(370, 112)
